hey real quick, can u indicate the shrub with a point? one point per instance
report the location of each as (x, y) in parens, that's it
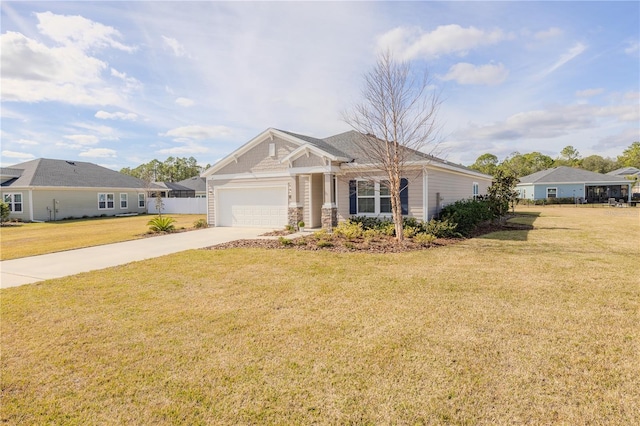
(200, 223)
(162, 224)
(322, 234)
(467, 214)
(441, 228)
(324, 243)
(388, 229)
(349, 230)
(424, 239)
(409, 231)
(290, 228)
(4, 212)
(371, 234)
(285, 241)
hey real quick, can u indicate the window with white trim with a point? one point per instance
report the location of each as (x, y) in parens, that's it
(141, 201)
(124, 200)
(373, 197)
(14, 201)
(552, 192)
(106, 201)
(476, 190)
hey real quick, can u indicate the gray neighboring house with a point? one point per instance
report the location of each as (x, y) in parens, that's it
(280, 178)
(631, 173)
(196, 184)
(46, 189)
(569, 182)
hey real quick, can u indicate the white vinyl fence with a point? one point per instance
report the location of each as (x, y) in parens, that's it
(179, 205)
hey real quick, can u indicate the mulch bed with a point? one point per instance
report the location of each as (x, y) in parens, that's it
(340, 244)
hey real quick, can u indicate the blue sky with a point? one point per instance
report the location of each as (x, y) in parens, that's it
(121, 83)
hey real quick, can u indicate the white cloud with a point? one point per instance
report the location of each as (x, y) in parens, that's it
(547, 34)
(79, 32)
(99, 153)
(587, 93)
(198, 132)
(104, 115)
(19, 155)
(174, 45)
(27, 142)
(488, 74)
(184, 150)
(33, 72)
(572, 53)
(413, 42)
(83, 139)
(185, 102)
(130, 82)
(633, 47)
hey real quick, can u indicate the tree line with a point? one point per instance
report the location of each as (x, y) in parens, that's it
(520, 165)
(173, 169)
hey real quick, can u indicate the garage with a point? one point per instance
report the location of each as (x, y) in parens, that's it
(259, 207)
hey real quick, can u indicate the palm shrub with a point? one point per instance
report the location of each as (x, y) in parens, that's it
(161, 224)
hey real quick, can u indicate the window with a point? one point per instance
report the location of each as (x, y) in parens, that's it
(476, 190)
(106, 201)
(14, 201)
(373, 197)
(552, 192)
(124, 201)
(141, 201)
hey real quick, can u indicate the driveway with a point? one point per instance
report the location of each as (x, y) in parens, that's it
(29, 270)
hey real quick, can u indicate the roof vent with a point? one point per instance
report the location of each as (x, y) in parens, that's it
(71, 163)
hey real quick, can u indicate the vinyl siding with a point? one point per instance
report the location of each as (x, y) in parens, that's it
(451, 187)
(257, 159)
(75, 203)
(311, 161)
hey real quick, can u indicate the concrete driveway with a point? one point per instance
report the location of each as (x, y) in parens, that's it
(29, 270)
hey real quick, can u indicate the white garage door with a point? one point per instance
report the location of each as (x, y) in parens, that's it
(262, 207)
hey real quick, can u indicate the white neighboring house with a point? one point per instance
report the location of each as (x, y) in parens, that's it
(187, 196)
(46, 189)
(280, 178)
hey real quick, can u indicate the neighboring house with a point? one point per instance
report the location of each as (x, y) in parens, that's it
(281, 178)
(632, 174)
(171, 190)
(568, 182)
(196, 184)
(46, 189)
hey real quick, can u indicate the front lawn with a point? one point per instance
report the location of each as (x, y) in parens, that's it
(30, 239)
(515, 327)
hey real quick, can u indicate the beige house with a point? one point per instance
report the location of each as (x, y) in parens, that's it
(281, 178)
(46, 189)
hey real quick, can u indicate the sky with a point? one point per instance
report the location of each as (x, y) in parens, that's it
(120, 83)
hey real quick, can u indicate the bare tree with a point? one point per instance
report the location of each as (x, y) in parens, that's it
(396, 117)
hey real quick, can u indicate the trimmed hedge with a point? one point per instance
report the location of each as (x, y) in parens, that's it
(467, 214)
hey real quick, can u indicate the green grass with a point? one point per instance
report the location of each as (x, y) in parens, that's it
(537, 329)
(30, 239)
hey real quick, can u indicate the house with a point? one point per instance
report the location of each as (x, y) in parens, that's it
(46, 189)
(171, 190)
(196, 184)
(576, 184)
(632, 174)
(280, 178)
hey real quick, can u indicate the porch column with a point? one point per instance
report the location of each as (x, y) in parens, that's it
(329, 208)
(295, 207)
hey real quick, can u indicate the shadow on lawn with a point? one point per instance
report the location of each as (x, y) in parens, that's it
(516, 228)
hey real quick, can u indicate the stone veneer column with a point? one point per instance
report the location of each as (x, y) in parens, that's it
(295, 208)
(329, 217)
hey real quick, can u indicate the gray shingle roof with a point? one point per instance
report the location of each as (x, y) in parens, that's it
(320, 143)
(625, 171)
(564, 174)
(45, 172)
(196, 183)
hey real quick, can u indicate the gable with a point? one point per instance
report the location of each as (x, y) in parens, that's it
(257, 158)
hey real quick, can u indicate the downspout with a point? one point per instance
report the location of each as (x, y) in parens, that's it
(31, 204)
(425, 194)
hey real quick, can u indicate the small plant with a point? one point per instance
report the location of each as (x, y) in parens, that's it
(285, 241)
(162, 224)
(350, 230)
(409, 231)
(424, 239)
(322, 234)
(200, 224)
(349, 245)
(290, 228)
(301, 225)
(442, 228)
(324, 243)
